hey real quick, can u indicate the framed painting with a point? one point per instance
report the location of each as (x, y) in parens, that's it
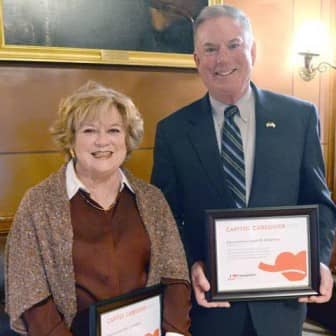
(125, 32)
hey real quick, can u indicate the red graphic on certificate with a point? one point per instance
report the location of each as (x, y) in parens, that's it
(155, 333)
(292, 266)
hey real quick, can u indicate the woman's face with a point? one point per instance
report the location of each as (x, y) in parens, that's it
(100, 145)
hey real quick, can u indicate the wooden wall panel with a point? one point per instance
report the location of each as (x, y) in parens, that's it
(30, 93)
(319, 90)
(5, 223)
(302, 89)
(331, 163)
(140, 163)
(331, 120)
(21, 171)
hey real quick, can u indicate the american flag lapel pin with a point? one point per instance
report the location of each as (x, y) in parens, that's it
(270, 124)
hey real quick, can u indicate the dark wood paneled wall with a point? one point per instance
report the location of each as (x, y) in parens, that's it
(30, 93)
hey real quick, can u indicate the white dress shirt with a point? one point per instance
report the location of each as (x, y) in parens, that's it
(73, 183)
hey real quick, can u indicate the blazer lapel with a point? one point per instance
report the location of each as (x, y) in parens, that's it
(203, 138)
(265, 144)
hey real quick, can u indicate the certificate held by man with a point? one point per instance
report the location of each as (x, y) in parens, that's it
(262, 253)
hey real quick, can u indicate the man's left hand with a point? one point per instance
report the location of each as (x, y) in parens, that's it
(326, 287)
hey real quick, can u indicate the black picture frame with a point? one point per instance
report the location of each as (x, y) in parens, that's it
(218, 220)
(96, 310)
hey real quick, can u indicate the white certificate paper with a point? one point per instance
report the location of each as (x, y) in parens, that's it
(141, 319)
(266, 252)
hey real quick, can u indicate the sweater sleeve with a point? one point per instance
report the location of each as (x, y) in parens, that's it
(174, 276)
(25, 279)
(44, 319)
(177, 304)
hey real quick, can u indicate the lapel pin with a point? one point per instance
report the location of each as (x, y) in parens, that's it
(270, 124)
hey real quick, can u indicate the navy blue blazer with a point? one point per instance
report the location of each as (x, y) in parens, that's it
(288, 170)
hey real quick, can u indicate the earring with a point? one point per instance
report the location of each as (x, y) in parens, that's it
(72, 153)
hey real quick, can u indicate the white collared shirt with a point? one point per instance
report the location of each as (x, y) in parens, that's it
(73, 183)
(246, 123)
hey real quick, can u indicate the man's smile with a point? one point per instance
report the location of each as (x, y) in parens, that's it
(225, 73)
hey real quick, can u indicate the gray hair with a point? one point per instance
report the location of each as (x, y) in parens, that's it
(216, 11)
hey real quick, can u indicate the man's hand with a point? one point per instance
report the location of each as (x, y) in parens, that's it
(201, 285)
(326, 287)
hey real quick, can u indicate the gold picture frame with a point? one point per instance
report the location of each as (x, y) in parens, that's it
(48, 52)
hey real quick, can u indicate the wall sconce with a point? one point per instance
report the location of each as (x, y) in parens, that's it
(308, 71)
(312, 39)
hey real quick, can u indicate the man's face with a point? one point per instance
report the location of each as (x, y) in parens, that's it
(224, 56)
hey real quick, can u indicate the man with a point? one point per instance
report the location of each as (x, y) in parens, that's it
(283, 167)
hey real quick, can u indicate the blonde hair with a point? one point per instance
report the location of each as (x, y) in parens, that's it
(89, 102)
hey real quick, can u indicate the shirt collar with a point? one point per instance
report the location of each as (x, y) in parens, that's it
(73, 183)
(245, 101)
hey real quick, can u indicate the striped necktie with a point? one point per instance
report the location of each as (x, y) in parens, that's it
(233, 157)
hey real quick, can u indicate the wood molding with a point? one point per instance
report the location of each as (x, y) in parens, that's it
(5, 224)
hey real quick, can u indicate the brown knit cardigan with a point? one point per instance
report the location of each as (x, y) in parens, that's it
(39, 247)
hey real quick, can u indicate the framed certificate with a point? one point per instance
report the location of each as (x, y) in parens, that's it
(136, 313)
(262, 253)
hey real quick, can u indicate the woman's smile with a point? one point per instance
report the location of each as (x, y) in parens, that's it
(102, 154)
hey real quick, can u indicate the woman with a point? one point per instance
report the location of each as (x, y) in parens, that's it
(92, 231)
